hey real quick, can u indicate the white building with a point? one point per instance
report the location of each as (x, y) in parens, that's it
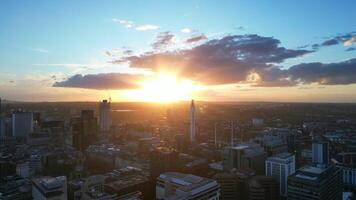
(281, 166)
(179, 186)
(51, 188)
(105, 119)
(22, 124)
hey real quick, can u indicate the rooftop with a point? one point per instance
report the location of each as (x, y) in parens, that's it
(186, 182)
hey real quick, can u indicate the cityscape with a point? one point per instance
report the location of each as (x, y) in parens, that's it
(177, 100)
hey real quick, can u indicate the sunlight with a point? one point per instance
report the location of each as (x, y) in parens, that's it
(164, 88)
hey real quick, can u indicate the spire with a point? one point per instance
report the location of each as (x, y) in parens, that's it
(192, 122)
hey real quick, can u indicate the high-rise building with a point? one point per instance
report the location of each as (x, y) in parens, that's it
(320, 150)
(22, 124)
(84, 130)
(5, 126)
(281, 166)
(175, 186)
(192, 122)
(249, 155)
(263, 188)
(315, 183)
(105, 119)
(162, 160)
(234, 185)
(347, 164)
(49, 188)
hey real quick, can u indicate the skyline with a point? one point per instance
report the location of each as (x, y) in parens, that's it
(160, 51)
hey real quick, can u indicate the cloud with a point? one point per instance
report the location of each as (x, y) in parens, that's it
(102, 81)
(351, 49)
(350, 41)
(164, 39)
(146, 27)
(230, 59)
(186, 30)
(126, 23)
(40, 50)
(346, 39)
(196, 38)
(330, 42)
(130, 24)
(340, 73)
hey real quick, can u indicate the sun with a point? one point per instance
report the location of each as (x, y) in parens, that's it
(164, 88)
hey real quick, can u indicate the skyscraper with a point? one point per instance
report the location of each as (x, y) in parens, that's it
(84, 130)
(105, 120)
(248, 155)
(281, 166)
(192, 122)
(320, 151)
(263, 188)
(22, 124)
(315, 183)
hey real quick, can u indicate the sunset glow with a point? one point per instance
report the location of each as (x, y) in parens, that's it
(164, 88)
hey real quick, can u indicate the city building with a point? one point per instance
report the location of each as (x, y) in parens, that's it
(281, 166)
(320, 150)
(87, 188)
(263, 188)
(104, 118)
(234, 185)
(162, 160)
(192, 122)
(84, 130)
(257, 122)
(127, 180)
(14, 187)
(49, 188)
(347, 164)
(174, 186)
(315, 183)
(22, 124)
(5, 126)
(249, 155)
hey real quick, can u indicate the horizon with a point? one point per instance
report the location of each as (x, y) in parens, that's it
(157, 51)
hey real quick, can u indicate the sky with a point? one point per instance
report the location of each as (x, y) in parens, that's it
(293, 51)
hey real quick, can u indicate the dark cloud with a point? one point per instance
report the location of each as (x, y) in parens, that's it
(324, 74)
(227, 60)
(252, 59)
(163, 40)
(101, 81)
(330, 42)
(346, 39)
(196, 38)
(351, 49)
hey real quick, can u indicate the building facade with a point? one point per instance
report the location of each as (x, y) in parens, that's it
(281, 166)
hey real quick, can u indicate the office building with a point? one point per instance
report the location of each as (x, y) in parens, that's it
(22, 124)
(105, 119)
(281, 166)
(234, 185)
(51, 188)
(249, 155)
(14, 187)
(162, 160)
(347, 164)
(5, 127)
(315, 183)
(263, 188)
(84, 130)
(192, 122)
(174, 185)
(320, 156)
